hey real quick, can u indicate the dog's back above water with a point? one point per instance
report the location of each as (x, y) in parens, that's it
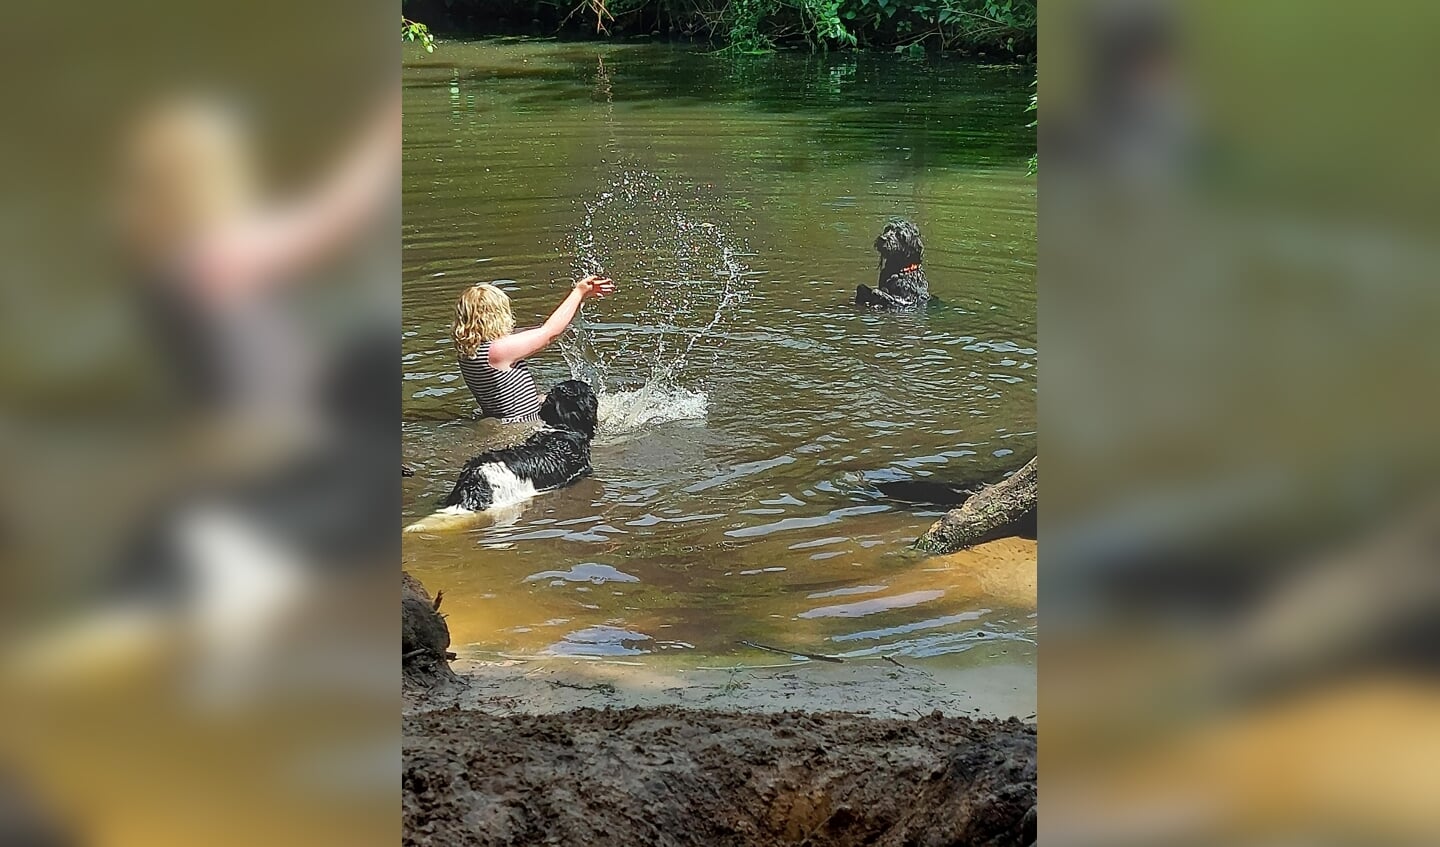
(901, 284)
(553, 457)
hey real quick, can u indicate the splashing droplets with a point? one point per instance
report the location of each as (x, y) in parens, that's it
(683, 273)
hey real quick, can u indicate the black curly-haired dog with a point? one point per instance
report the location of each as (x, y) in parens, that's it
(902, 282)
(551, 458)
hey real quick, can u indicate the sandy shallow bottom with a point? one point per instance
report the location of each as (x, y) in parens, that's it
(874, 688)
(1002, 572)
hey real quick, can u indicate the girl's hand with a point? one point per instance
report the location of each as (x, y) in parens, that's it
(595, 286)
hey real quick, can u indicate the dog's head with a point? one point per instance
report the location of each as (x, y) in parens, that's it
(572, 405)
(899, 243)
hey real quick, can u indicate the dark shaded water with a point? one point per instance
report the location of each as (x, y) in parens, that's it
(746, 506)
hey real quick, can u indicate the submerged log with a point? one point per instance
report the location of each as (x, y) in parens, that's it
(992, 512)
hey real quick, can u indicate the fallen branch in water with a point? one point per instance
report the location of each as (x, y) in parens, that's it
(991, 513)
(603, 687)
(816, 656)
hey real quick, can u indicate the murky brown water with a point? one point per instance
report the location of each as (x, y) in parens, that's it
(759, 518)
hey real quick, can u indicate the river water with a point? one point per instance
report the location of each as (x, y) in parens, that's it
(752, 416)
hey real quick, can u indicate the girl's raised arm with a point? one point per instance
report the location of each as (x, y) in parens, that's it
(506, 351)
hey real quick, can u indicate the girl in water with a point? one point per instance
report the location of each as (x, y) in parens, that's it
(493, 355)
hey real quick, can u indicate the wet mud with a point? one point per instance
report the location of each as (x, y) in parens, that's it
(676, 776)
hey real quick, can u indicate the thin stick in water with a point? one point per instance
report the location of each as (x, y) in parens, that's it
(816, 656)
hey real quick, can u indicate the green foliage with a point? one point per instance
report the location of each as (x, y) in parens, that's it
(828, 27)
(1001, 26)
(746, 22)
(1035, 124)
(413, 31)
(910, 27)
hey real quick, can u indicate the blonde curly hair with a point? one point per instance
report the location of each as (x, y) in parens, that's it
(481, 314)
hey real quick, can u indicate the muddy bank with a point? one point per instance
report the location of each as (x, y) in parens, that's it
(669, 776)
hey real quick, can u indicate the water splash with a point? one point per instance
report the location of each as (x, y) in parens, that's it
(648, 349)
(627, 411)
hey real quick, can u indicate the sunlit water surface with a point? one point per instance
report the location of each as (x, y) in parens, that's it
(749, 410)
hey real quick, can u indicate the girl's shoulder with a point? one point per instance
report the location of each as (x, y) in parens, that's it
(482, 353)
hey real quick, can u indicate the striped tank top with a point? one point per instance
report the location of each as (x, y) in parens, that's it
(509, 395)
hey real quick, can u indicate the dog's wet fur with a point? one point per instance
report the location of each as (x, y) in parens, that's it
(901, 285)
(550, 458)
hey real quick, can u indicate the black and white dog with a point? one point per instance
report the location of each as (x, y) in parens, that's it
(551, 458)
(902, 282)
